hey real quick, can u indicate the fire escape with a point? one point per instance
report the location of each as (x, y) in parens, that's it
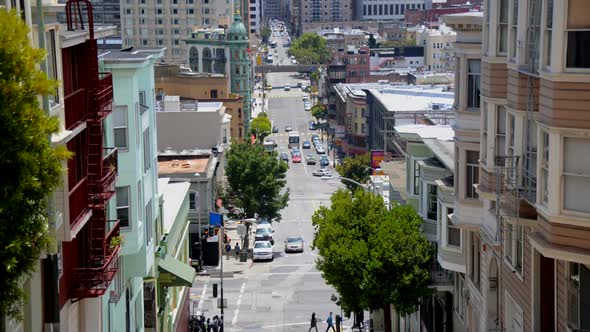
(98, 261)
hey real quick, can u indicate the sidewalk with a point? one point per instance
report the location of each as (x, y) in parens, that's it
(230, 266)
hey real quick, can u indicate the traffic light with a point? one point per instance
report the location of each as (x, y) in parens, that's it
(215, 290)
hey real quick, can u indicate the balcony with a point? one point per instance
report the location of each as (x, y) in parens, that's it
(78, 203)
(440, 277)
(109, 169)
(94, 281)
(75, 104)
(103, 97)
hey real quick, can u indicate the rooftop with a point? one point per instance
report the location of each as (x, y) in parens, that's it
(174, 104)
(411, 98)
(183, 166)
(438, 138)
(174, 194)
(131, 54)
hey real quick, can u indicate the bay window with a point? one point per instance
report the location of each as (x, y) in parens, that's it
(431, 202)
(513, 29)
(514, 246)
(548, 31)
(544, 168)
(472, 174)
(578, 293)
(500, 131)
(473, 85)
(503, 26)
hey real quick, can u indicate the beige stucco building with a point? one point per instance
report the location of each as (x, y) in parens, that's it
(438, 55)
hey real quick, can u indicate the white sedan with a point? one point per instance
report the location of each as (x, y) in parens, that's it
(322, 172)
(294, 244)
(262, 251)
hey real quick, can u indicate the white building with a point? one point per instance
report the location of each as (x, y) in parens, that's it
(387, 9)
(438, 52)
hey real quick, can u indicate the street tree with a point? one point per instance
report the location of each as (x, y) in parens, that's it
(310, 48)
(318, 111)
(265, 34)
(372, 256)
(30, 165)
(357, 168)
(315, 77)
(260, 126)
(256, 181)
(372, 42)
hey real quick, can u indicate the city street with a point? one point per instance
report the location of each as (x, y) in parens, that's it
(281, 295)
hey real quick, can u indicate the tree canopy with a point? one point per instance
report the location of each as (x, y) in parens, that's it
(372, 256)
(372, 42)
(318, 111)
(256, 181)
(260, 126)
(357, 168)
(265, 34)
(30, 165)
(310, 48)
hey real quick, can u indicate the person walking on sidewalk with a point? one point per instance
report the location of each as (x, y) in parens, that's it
(237, 249)
(313, 324)
(330, 322)
(227, 250)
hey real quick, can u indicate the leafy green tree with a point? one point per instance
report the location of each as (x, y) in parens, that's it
(255, 181)
(261, 126)
(315, 77)
(357, 168)
(31, 167)
(372, 256)
(310, 48)
(372, 42)
(265, 34)
(318, 111)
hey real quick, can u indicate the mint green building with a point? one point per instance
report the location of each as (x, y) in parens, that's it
(225, 51)
(132, 127)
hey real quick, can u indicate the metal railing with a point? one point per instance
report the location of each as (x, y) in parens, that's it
(75, 108)
(78, 199)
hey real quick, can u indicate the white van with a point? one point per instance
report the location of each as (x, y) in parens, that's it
(264, 232)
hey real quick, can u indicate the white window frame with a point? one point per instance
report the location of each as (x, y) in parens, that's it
(446, 223)
(483, 150)
(475, 258)
(149, 223)
(513, 33)
(475, 180)
(547, 22)
(571, 69)
(513, 239)
(128, 207)
(565, 173)
(415, 182)
(544, 155)
(194, 194)
(476, 77)
(500, 124)
(147, 152)
(425, 199)
(503, 23)
(122, 126)
(51, 61)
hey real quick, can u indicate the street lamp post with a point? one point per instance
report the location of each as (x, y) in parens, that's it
(363, 186)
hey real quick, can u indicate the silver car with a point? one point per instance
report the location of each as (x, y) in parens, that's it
(294, 244)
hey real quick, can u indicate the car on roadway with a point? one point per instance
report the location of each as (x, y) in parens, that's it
(307, 107)
(324, 161)
(298, 83)
(322, 172)
(287, 87)
(264, 232)
(313, 125)
(275, 129)
(319, 149)
(293, 61)
(288, 129)
(262, 251)
(306, 145)
(295, 150)
(294, 244)
(296, 158)
(314, 137)
(284, 156)
(310, 159)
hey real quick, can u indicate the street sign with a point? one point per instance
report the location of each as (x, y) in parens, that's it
(215, 219)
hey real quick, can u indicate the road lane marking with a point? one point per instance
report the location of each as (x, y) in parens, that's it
(287, 273)
(203, 293)
(281, 325)
(238, 303)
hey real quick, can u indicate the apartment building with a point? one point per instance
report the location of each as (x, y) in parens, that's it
(255, 16)
(134, 127)
(438, 54)
(387, 9)
(324, 11)
(525, 168)
(165, 23)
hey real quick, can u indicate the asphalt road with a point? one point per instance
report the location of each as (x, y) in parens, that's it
(281, 295)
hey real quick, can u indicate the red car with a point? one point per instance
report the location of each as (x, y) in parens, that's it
(296, 158)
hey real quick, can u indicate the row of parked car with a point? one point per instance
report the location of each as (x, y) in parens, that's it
(264, 242)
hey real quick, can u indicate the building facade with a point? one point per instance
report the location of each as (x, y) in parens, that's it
(438, 54)
(157, 23)
(311, 11)
(230, 56)
(137, 208)
(387, 9)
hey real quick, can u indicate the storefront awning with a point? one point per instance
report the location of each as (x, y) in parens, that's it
(174, 273)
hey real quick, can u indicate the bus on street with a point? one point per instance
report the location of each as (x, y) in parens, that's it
(293, 139)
